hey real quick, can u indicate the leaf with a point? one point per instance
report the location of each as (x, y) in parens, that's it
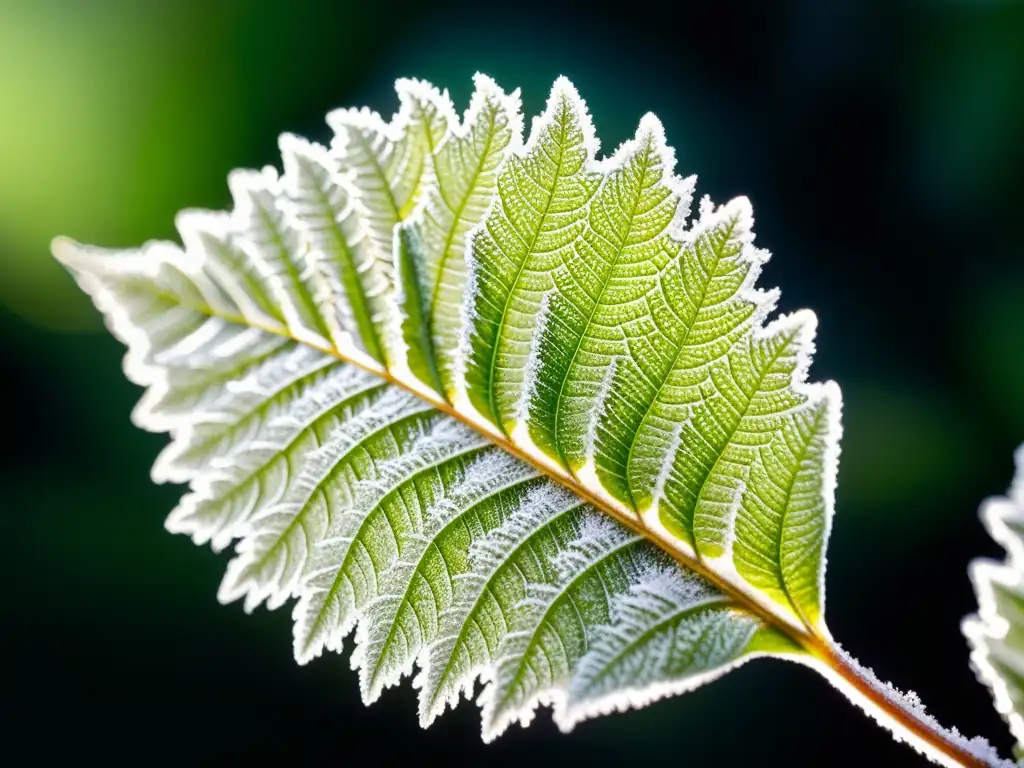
(996, 632)
(497, 406)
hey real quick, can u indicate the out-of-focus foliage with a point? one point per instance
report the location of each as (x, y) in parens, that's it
(90, 94)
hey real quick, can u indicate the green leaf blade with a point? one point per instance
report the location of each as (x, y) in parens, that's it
(390, 162)
(276, 248)
(703, 305)
(466, 168)
(750, 394)
(420, 358)
(399, 627)
(325, 211)
(538, 213)
(668, 635)
(781, 525)
(620, 249)
(390, 166)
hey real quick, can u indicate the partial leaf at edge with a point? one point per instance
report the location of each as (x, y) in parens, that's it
(996, 632)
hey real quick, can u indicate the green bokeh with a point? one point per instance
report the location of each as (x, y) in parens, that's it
(99, 90)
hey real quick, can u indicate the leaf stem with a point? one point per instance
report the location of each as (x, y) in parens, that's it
(903, 717)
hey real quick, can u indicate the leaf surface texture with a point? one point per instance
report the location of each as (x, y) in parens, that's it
(481, 398)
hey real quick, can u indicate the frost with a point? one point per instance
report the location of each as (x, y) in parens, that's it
(393, 625)
(533, 362)
(527, 672)
(909, 702)
(471, 629)
(694, 637)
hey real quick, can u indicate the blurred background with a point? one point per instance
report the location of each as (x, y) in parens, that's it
(881, 144)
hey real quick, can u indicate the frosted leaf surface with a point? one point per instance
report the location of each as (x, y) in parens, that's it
(475, 397)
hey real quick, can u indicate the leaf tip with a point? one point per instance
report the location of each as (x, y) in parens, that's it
(196, 226)
(651, 129)
(306, 644)
(292, 145)
(564, 97)
(64, 249)
(245, 183)
(85, 262)
(486, 85)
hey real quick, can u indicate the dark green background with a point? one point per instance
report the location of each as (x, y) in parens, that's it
(881, 146)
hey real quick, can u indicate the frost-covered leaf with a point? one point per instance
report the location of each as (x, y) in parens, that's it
(500, 407)
(996, 632)
(411, 441)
